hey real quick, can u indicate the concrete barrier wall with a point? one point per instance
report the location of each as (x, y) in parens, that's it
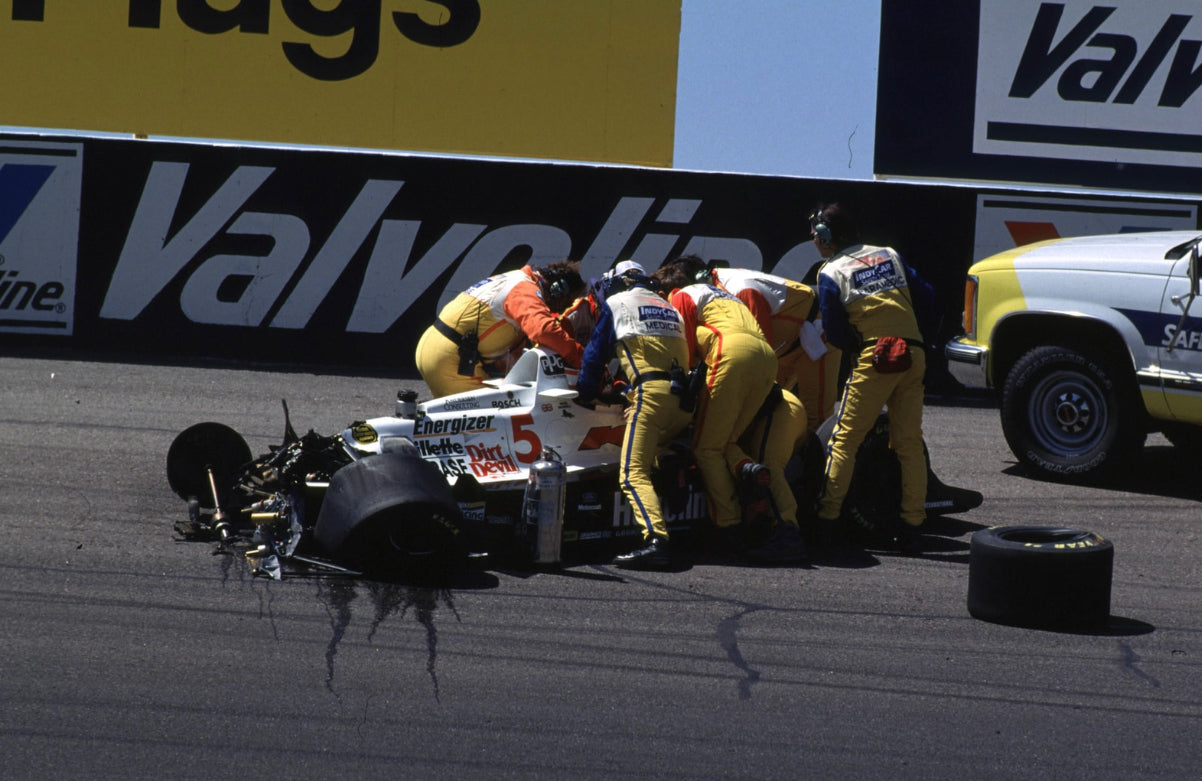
(333, 257)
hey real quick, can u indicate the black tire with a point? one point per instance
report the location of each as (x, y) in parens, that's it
(1040, 577)
(1070, 415)
(805, 473)
(391, 514)
(874, 497)
(197, 449)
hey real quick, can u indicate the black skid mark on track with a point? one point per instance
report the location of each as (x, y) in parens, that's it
(727, 632)
(390, 598)
(266, 600)
(337, 598)
(227, 557)
(387, 600)
(728, 638)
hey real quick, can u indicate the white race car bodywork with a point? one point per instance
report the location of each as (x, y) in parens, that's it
(450, 476)
(496, 433)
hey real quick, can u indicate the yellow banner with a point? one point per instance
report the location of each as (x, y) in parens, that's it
(587, 80)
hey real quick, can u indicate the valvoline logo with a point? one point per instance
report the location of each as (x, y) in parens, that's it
(39, 233)
(19, 183)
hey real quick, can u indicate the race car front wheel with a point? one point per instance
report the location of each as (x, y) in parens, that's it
(200, 450)
(1070, 415)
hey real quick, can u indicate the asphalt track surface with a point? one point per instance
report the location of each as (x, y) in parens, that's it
(129, 654)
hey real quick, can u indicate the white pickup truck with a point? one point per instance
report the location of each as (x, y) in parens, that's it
(1092, 344)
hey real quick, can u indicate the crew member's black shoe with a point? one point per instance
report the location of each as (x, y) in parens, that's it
(783, 546)
(905, 539)
(755, 495)
(655, 555)
(728, 542)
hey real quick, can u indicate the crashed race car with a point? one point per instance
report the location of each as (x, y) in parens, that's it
(514, 472)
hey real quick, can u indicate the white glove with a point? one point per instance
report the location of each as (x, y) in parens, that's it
(811, 340)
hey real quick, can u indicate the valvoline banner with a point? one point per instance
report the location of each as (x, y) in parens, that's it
(313, 256)
(328, 257)
(40, 184)
(1090, 81)
(592, 81)
(1082, 93)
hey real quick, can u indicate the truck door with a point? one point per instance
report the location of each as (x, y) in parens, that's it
(1181, 346)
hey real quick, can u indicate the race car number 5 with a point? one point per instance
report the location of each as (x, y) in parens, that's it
(521, 433)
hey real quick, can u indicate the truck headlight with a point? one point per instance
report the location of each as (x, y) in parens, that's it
(970, 307)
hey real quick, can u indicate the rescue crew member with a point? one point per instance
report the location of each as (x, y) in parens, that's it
(482, 331)
(646, 335)
(788, 315)
(580, 317)
(740, 370)
(869, 298)
(772, 439)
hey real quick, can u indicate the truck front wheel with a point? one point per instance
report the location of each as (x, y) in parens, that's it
(1070, 415)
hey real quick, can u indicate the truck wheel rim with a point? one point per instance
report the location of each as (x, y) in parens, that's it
(1067, 413)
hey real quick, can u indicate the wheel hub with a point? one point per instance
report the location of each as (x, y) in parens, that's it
(1072, 412)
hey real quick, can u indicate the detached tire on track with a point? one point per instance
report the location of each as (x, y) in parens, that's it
(1040, 577)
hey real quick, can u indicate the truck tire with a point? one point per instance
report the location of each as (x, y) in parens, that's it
(1070, 415)
(1040, 577)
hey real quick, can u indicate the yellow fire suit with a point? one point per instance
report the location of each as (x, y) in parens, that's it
(647, 336)
(499, 314)
(772, 439)
(741, 368)
(866, 293)
(782, 307)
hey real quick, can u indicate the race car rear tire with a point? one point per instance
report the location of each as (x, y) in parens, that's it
(1068, 414)
(1040, 577)
(391, 514)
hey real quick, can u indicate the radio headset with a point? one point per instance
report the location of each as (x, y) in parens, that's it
(557, 287)
(696, 269)
(819, 226)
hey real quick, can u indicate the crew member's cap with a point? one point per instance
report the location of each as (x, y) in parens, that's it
(624, 268)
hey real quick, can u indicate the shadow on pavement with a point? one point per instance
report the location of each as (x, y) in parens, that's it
(1162, 470)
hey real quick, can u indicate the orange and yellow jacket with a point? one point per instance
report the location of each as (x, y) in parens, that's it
(504, 311)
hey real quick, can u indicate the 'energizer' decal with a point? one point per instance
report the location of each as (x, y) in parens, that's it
(426, 427)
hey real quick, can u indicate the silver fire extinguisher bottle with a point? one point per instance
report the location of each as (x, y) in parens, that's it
(542, 509)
